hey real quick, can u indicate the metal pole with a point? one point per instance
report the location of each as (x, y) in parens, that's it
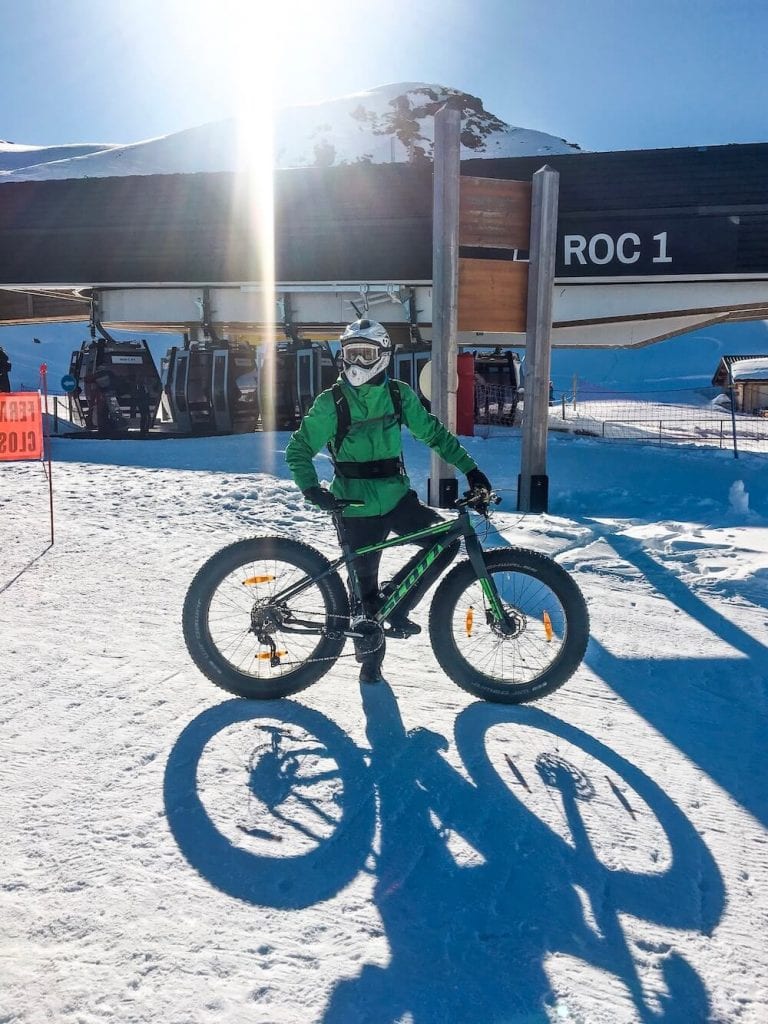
(47, 440)
(443, 486)
(533, 482)
(733, 412)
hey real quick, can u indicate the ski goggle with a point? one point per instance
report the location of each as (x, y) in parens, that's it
(358, 352)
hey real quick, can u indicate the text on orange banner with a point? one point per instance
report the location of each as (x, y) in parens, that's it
(21, 426)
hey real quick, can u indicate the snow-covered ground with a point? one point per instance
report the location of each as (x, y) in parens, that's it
(704, 424)
(421, 857)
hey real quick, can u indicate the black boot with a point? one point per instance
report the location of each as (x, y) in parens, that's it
(370, 646)
(370, 670)
(399, 626)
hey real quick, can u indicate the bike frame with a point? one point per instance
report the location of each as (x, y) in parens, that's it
(447, 532)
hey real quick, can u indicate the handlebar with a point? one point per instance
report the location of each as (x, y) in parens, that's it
(479, 500)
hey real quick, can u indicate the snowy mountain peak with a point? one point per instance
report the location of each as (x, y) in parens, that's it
(389, 124)
(395, 124)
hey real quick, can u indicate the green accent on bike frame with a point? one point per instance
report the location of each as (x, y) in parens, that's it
(428, 532)
(490, 592)
(409, 582)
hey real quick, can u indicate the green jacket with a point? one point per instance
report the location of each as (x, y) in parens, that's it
(374, 434)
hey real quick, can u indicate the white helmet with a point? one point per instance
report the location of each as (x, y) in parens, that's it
(365, 351)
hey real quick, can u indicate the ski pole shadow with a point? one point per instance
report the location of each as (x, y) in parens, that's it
(476, 890)
(298, 812)
(20, 573)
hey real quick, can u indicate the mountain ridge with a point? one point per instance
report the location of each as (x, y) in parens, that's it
(388, 124)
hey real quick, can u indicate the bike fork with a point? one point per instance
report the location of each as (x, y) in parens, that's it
(487, 584)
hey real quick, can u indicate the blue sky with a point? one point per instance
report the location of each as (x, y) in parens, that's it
(607, 75)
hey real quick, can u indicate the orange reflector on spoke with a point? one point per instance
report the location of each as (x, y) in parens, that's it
(265, 655)
(548, 626)
(469, 620)
(253, 581)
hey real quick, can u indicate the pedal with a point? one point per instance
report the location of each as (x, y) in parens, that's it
(401, 630)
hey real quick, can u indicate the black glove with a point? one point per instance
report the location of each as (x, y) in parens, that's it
(322, 498)
(477, 480)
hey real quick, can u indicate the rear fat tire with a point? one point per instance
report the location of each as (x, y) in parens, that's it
(197, 636)
(463, 673)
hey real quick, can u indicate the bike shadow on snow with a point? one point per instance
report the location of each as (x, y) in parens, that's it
(273, 877)
(469, 932)
(468, 941)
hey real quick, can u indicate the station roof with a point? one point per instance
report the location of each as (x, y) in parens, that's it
(358, 222)
(750, 367)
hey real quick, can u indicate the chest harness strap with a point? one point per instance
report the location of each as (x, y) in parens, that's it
(376, 469)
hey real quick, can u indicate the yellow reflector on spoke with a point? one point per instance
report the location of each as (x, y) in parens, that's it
(469, 620)
(548, 626)
(265, 655)
(253, 581)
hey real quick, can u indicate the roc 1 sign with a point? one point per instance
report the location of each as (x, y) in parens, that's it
(21, 426)
(616, 246)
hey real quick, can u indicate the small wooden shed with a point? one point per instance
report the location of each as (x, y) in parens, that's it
(750, 382)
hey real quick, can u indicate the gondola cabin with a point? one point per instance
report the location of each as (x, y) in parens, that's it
(118, 387)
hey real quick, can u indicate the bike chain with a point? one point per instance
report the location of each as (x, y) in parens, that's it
(333, 615)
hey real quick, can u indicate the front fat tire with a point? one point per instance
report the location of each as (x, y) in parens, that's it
(463, 673)
(206, 655)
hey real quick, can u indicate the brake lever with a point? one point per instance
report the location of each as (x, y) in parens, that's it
(476, 501)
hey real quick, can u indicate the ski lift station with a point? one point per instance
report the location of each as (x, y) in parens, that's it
(650, 243)
(646, 245)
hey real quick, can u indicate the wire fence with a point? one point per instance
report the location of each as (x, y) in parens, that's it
(674, 416)
(496, 405)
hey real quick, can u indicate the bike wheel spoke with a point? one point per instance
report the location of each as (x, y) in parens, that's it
(229, 618)
(519, 658)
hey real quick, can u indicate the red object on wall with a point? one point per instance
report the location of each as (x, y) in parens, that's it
(465, 395)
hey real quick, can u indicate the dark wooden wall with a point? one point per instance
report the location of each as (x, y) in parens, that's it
(373, 222)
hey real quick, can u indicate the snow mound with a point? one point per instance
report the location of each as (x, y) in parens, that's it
(738, 497)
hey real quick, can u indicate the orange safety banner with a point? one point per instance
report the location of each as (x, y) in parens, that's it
(21, 426)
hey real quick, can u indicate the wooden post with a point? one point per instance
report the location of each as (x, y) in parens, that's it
(533, 482)
(443, 486)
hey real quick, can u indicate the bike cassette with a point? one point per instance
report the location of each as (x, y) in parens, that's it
(267, 619)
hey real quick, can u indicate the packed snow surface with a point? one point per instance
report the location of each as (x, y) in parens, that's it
(414, 855)
(389, 124)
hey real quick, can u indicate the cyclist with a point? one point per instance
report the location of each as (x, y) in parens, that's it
(359, 419)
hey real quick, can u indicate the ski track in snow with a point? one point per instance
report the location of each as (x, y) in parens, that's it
(597, 858)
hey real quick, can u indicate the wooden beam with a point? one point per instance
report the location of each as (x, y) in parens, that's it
(494, 214)
(493, 295)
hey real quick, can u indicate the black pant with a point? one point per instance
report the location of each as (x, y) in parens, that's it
(408, 516)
